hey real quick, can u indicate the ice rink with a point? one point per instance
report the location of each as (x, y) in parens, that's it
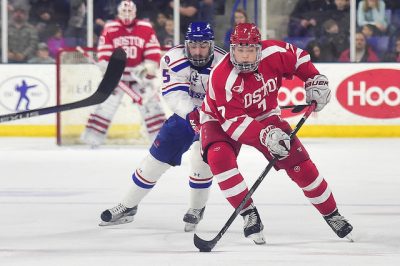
(51, 199)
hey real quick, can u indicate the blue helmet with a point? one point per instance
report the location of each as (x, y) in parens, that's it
(199, 34)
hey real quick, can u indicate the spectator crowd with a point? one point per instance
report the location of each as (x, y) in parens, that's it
(38, 28)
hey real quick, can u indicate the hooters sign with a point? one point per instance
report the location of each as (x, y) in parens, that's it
(291, 93)
(371, 93)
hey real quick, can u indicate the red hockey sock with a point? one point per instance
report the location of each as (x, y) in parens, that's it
(222, 161)
(314, 186)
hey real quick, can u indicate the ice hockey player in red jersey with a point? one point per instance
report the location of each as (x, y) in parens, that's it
(241, 107)
(140, 43)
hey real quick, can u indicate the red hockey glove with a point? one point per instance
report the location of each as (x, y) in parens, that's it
(194, 120)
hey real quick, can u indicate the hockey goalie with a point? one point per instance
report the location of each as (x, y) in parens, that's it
(140, 43)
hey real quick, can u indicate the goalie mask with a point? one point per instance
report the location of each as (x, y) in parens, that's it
(127, 12)
(245, 47)
(199, 43)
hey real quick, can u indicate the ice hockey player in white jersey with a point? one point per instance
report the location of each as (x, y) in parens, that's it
(138, 39)
(185, 70)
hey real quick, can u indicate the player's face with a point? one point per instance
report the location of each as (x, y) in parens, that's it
(199, 50)
(245, 54)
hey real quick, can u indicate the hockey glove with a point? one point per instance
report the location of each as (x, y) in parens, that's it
(317, 89)
(277, 141)
(194, 120)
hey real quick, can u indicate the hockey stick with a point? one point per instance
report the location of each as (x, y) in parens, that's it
(131, 93)
(295, 108)
(207, 246)
(110, 80)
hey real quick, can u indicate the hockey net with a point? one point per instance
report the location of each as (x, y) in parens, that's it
(77, 79)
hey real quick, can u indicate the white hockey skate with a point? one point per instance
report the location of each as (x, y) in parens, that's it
(119, 214)
(253, 226)
(192, 218)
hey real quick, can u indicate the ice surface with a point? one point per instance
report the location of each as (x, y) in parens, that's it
(51, 199)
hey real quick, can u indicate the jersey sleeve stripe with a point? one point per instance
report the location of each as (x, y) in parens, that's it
(179, 88)
(104, 53)
(180, 66)
(152, 51)
(176, 62)
(176, 83)
(302, 60)
(149, 44)
(105, 47)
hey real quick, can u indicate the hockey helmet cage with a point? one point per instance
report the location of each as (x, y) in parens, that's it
(245, 34)
(202, 33)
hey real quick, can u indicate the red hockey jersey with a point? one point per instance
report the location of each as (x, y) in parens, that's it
(139, 42)
(239, 101)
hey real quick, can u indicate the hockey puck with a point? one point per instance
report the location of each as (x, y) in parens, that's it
(205, 250)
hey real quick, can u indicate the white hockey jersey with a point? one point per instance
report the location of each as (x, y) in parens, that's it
(184, 86)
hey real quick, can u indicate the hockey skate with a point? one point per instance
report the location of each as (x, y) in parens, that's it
(192, 218)
(119, 214)
(253, 226)
(339, 225)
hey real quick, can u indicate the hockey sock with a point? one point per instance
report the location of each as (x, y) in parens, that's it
(314, 186)
(200, 178)
(222, 161)
(144, 179)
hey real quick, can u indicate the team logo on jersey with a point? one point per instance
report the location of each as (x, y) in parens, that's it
(240, 88)
(167, 59)
(22, 93)
(258, 76)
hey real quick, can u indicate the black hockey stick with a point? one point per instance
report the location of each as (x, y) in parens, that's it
(110, 80)
(207, 246)
(295, 108)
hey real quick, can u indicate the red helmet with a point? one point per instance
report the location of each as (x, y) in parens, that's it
(245, 34)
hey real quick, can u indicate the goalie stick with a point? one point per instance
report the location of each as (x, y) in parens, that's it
(207, 246)
(131, 93)
(110, 80)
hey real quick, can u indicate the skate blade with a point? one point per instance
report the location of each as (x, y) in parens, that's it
(190, 227)
(350, 237)
(258, 238)
(123, 220)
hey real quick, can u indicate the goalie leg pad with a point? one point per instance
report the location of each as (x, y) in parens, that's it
(200, 178)
(144, 179)
(222, 161)
(153, 116)
(314, 186)
(100, 120)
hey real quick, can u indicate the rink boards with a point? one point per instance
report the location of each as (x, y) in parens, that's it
(365, 100)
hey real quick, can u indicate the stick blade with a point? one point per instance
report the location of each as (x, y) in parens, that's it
(112, 75)
(204, 245)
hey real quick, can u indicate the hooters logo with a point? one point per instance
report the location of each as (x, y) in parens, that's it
(371, 93)
(291, 93)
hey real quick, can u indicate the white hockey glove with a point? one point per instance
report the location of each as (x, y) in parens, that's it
(317, 89)
(146, 70)
(277, 141)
